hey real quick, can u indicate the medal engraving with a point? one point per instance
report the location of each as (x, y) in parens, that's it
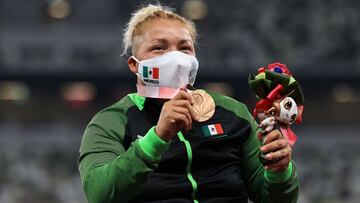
(204, 105)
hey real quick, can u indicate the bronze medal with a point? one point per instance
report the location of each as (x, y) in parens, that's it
(204, 105)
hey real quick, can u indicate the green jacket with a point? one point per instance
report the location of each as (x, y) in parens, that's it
(123, 160)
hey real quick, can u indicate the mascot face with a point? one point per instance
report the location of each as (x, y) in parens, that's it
(288, 111)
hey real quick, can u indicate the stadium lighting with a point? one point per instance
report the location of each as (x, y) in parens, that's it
(78, 92)
(14, 91)
(58, 9)
(344, 93)
(195, 9)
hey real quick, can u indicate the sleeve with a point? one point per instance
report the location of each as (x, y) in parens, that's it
(263, 185)
(109, 173)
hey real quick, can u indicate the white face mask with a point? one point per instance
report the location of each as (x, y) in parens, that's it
(164, 75)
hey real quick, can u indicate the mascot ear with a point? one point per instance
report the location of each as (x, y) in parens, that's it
(300, 113)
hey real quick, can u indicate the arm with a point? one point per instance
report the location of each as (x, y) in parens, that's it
(264, 185)
(110, 173)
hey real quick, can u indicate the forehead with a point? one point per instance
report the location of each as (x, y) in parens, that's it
(171, 30)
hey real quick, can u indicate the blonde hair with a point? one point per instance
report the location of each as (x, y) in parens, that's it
(147, 14)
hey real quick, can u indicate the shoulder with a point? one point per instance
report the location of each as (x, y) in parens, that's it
(110, 122)
(231, 104)
(117, 112)
(225, 101)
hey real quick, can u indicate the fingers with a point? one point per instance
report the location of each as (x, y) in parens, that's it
(277, 150)
(279, 160)
(188, 105)
(278, 166)
(182, 95)
(274, 146)
(184, 111)
(183, 98)
(271, 136)
(182, 120)
(192, 112)
(179, 119)
(279, 154)
(176, 115)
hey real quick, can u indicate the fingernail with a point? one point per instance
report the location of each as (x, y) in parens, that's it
(262, 148)
(266, 167)
(268, 156)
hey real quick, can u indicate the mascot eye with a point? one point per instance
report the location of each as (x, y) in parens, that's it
(272, 112)
(292, 118)
(288, 105)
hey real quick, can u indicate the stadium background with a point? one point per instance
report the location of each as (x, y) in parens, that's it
(60, 64)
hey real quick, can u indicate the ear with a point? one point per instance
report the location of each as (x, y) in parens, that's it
(300, 114)
(132, 63)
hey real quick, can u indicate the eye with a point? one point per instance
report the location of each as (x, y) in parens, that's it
(292, 118)
(157, 48)
(186, 48)
(272, 112)
(287, 104)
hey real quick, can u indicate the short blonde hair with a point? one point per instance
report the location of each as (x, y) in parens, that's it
(147, 14)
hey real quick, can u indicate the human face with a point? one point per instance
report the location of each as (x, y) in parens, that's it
(159, 37)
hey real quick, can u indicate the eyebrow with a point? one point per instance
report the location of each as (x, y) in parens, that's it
(164, 41)
(185, 41)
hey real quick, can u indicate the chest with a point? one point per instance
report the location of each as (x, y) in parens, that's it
(218, 139)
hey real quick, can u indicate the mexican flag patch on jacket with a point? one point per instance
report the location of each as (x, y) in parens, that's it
(213, 129)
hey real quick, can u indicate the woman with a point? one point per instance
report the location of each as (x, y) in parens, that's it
(150, 147)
